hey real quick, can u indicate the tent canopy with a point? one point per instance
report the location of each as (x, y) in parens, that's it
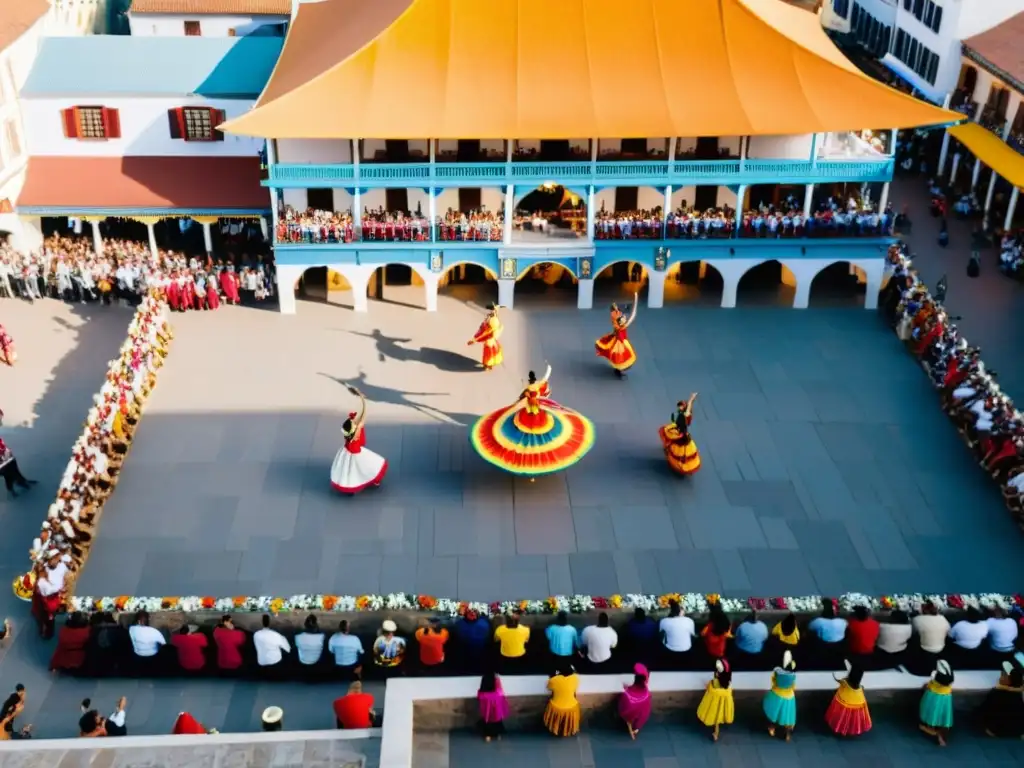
(992, 151)
(452, 69)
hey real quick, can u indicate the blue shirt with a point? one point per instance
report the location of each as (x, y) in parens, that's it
(346, 649)
(562, 640)
(828, 630)
(641, 632)
(474, 635)
(751, 636)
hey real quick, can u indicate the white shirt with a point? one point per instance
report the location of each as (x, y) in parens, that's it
(893, 638)
(599, 642)
(1017, 481)
(269, 645)
(932, 631)
(969, 634)
(679, 632)
(146, 641)
(117, 718)
(53, 582)
(1002, 634)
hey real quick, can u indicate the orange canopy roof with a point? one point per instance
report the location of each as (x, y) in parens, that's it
(567, 69)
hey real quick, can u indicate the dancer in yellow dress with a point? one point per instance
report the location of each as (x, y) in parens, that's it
(488, 334)
(680, 450)
(615, 346)
(716, 707)
(562, 714)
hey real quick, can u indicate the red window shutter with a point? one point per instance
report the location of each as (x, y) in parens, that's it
(176, 122)
(216, 118)
(111, 123)
(70, 123)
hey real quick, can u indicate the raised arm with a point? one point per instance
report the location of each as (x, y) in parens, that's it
(632, 314)
(689, 403)
(362, 408)
(547, 375)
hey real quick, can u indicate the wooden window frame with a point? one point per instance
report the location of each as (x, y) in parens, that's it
(192, 24)
(110, 121)
(179, 124)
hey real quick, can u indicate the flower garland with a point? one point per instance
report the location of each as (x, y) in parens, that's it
(692, 602)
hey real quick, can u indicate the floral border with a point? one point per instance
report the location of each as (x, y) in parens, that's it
(692, 602)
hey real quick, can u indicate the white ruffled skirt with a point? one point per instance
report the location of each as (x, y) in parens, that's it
(354, 472)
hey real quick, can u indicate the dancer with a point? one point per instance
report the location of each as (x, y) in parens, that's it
(848, 713)
(680, 450)
(1002, 712)
(635, 701)
(936, 710)
(356, 467)
(717, 708)
(9, 469)
(537, 390)
(8, 354)
(534, 436)
(780, 702)
(488, 334)
(615, 346)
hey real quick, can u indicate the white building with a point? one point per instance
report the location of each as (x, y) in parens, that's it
(208, 18)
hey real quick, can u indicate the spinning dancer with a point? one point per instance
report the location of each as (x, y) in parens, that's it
(488, 335)
(535, 436)
(615, 346)
(8, 354)
(680, 450)
(356, 467)
(542, 389)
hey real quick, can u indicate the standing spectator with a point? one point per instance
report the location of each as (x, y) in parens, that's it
(388, 649)
(472, 634)
(69, 655)
(115, 724)
(191, 645)
(677, 633)
(598, 642)
(309, 645)
(146, 643)
(862, 632)
(10, 472)
(12, 708)
(1002, 631)
(563, 639)
(355, 708)
(431, 640)
(511, 639)
(931, 628)
(640, 635)
(229, 642)
(893, 638)
(348, 653)
(270, 646)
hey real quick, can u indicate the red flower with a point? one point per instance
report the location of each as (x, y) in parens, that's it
(600, 602)
(494, 608)
(1019, 600)
(757, 603)
(779, 603)
(955, 601)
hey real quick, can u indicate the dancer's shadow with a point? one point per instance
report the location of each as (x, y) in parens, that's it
(444, 360)
(375, 393)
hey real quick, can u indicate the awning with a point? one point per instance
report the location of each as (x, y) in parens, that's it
(992, 151)
(538, 69)
(113, 185)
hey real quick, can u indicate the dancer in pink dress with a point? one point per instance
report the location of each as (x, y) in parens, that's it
(356, 467)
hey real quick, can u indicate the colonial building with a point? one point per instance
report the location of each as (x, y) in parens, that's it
(127, 127)
(209, 18)
(431, 134)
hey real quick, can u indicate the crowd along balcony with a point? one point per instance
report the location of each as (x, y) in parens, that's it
(601, 174)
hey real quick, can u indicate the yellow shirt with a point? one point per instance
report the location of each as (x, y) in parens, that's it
(792, 639)
(563, 690)
(513, 640)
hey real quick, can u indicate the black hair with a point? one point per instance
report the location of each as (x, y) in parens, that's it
(532, 377)
(828, 610)
(719, 622)
(639, 614)
(788, 624)
(751, 617)
(673, 608)
(142, 617)
(899, 617)
(562, 618)
(346, 426)
(602, 619)
(861, 613)
(343, 626)
(266, 619)
(489, 682)
(724, 677)
(639, 679)
(973, 615)
(77, 620)
(855, 677)
(945, 678)
(183, 630)
(311, 624)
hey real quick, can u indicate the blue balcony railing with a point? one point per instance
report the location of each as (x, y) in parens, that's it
(601, 174)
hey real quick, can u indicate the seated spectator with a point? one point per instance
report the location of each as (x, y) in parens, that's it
(787, 632)
(1002, 631)
(597, 642)
(355, 708)
(861, 632)
(309, 644)
(270, 646)
(931, 628)
(717, 632)
(893, 638)
(115, 724)
(967, 635)
(472, 633)
(146, 643)
(751, 635)
(677, 633)
(829, 631)
(229, 642)
(388, 649)
(431, 640)
(91, 725)
(640, 634)
(511, 639)
(563, 639)
(72, 641)
(348, 653)
(107, 645)
(191, 645)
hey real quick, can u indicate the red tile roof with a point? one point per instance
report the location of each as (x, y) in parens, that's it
(214, 7)
(1002, 46)
(186, 183)
(18, 17)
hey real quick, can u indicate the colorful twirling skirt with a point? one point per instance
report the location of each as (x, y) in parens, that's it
(618, 352)
(531, 444)
(936, 710)
(848, 720)
(716, 707)
(562, 722)
(780, 710)
(492, 354)
(681, 457)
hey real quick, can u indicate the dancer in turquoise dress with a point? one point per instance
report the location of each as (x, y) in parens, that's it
(937, 704)
(780, 702)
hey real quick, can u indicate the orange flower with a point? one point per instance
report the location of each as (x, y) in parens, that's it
(329, 602)
(169, 603)
(426, 602)
(208, 603)
(362, 602)
(239, 601)
(121, 601)
(463, 607)
(523, 605)
(97, 604)
(712, 598)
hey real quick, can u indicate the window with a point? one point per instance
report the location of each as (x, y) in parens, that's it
(937, 19)
(933, 70)
(929, 12)
(91, 123)
(918, 9)
(232, 32)
(195, 123)
(841, 7)
(193, 29)
(907, 4)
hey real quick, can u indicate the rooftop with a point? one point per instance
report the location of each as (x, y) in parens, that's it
(1002, 47)
(121, 65)
(18, 17)
(214, 7)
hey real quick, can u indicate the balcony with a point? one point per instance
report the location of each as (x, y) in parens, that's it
(601, 174)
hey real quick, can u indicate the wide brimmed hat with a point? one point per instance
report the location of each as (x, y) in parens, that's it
(272, 715)
(389, 626)
(942, 668)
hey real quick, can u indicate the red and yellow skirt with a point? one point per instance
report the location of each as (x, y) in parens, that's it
(848, 713)
(492, 354)
(618, 352)
(681, 456)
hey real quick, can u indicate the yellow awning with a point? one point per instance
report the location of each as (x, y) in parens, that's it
(992, 151)
(567, 69)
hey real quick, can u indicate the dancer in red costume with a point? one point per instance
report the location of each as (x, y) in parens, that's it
(212, 297)
(488, 334)
(8, 354)
(174, 293)
(680, 450)
(49, 591)
(356, 467)
(615, 346)
(229, 286)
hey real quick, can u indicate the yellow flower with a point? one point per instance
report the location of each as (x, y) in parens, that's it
(615, 601)
(712, 598)
(276, 605)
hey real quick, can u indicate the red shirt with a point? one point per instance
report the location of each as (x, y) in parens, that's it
(862, 635)
(431, 646)
(715, 643)
(190, 650)
(353, 710)
(229, 647)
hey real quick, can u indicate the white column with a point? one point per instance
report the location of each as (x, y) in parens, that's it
(151, 229)
(988, 195)
(875, 272)
(593, 150)
(953, 169)
(729, 286)
(432, 210)
(274, 192)
(673, 144)
(506, 235)
(975, 173)
(892, 142)
(1011, 208)
(666, 209)
(743, 150)
(359, 278)
(433, 157)
(506, 293)
(263, 228)
(585, 296)
(357, 214)
(943, 153)
(591, 217)
(802, 297)
(97, 237)
(814, 149)
(509, 146)
(430, 285)
(884, 199)
(655, 289)
(1011, 111)
(287, 277)
(741, 193)
(808, 201)
(208, 237)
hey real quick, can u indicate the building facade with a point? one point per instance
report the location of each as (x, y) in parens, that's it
(208, 18)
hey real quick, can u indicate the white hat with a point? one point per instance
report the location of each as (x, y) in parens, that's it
(942, 668)
(787, 660)
(52, 552)
(849, 666)
(272, 715)
(389, 626)
(1008, 667)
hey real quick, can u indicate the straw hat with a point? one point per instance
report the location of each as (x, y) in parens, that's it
(272, 715)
